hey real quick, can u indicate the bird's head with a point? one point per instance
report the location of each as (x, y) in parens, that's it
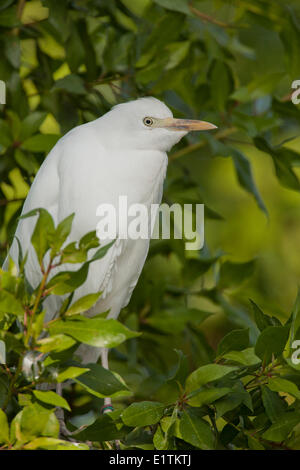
(148, 124)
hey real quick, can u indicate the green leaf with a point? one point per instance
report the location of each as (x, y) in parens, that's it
(177, 52)
(66, 282)
(179, 316)
(235, 340)
(71, 83)
(4, 429)
(6, 138)
(40, 142)
(50, 443)
(206, 374)
(279, 431)
(289, 36)
(159, 440)
(62, 232)
(70, 373)
(38, 324)
(194, 267)
(139, 438)
(254, 444)
(13, 50)
(283, 168)
(71, 254)
(144, 413)
(5, 4)
(196, 431)
(13, 342)
(31, 124)
(271, 342)
(168, 427)
(37, 421)
(273, 404)
(246, 357)
(102, 382)
(207, 396)
(220, 73)
(9, 17)
(74, 49)
(88, 241)
(179, 372)
(55, 343)
(51, 398)
(42, 234)
(262, 321)
(103, 429)
(138, 7)
(165, 30)
(232, 400)
(9, 303)
(245, 177)
(277, 384)
(175, 5)
(101, 252)
(83, 304)
(26, 161)
(14, 122)
(295, 319)
(233, 274)
(98, 332)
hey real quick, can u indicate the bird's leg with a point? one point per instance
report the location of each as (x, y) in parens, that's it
(59, 412)
(107, 407)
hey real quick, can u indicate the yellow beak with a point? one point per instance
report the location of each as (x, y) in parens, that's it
(185, 125)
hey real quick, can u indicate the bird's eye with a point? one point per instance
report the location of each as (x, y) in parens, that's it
(148, 121)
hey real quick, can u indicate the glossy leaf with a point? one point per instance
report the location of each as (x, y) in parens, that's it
(101, 382)
(97, 332)
(143, 413)
(51, 398)
(282, 427)
(196, 431)
(70, 373)
(83, 304)
(271, 342)
(236, 340)
(206, 374)
(4, 428)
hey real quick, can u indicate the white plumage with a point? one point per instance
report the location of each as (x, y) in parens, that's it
(95, 163)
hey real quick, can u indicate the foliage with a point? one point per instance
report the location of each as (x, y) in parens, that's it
(174, 386)
(247, 397)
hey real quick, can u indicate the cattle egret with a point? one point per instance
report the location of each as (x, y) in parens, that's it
(121, 153)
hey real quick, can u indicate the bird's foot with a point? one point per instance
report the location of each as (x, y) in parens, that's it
(63, 430)
(108, 408)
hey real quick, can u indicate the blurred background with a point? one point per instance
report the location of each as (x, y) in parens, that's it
(228, 62)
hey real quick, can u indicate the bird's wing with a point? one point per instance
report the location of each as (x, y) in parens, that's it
(43, 193)
(78, 175)
(91, 175)
(75, 177)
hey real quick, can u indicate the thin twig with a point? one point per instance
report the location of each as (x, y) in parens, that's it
(209, 19)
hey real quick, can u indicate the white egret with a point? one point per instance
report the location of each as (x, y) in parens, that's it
(121, 153)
